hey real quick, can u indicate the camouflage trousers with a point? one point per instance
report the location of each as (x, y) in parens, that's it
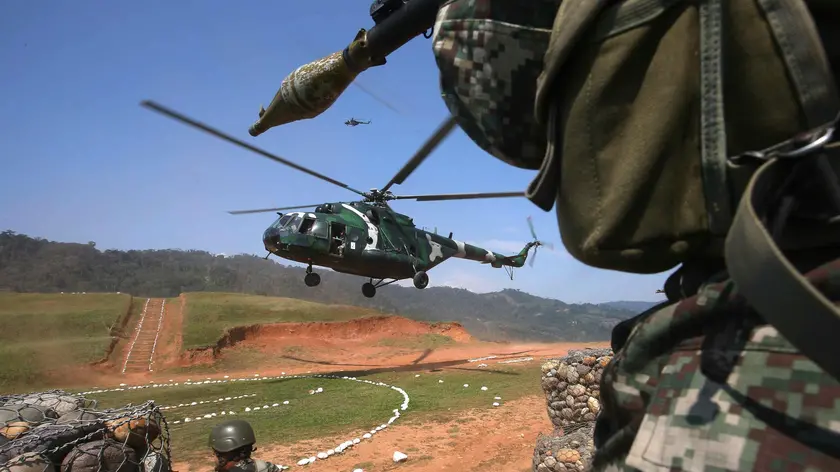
(705, 385)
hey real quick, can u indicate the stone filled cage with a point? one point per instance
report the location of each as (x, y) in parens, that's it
(571, 386)
(55, 431)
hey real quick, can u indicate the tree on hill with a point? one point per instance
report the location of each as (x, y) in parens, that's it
(30, 264)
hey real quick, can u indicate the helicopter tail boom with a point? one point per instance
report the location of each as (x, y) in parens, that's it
(518, 260)
(479, 254)
(475, 253)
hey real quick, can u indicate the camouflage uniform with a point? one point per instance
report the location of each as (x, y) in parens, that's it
(252, 465)
(701, 382)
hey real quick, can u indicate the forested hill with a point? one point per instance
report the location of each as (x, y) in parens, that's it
(30, 264)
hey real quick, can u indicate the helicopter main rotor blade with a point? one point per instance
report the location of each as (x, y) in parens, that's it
(196, 124)
(531, 227)
(266, 210)
(458, 196)
(434, 140)
(375, 97)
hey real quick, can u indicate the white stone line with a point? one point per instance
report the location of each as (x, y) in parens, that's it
(136, 335)
(247, 409)
(477, 359)
(366, 436)
(308, 460)
(514, 361)
(204, 402)
(157, 334)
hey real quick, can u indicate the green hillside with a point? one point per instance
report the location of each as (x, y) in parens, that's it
(37, 265)
(41, 334)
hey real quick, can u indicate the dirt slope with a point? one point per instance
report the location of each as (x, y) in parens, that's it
(362, 329)
(356, 333)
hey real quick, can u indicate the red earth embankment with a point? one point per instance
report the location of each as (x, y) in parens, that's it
(368, 329)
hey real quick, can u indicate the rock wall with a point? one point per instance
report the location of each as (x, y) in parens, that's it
(572, 391)
(569, 452)
(55, 431)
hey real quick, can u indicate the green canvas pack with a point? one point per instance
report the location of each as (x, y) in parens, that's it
(631, 109)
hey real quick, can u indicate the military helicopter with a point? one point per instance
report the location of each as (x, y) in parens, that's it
(355, 122)
(367, 237)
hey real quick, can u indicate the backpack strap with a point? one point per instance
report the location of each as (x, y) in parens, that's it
(764, 276)
(712, 121)
(799, 42)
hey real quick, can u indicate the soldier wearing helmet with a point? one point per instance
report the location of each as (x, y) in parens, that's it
(232, 442)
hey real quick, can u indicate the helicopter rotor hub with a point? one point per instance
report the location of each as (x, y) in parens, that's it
(377, 196)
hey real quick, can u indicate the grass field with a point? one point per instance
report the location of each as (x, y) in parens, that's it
(40, 333)
(207, 315)
(345, 407)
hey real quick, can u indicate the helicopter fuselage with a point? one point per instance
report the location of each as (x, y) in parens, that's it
(370, 241)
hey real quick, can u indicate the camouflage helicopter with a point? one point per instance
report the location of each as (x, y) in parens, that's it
(367, 237)
(355, 122)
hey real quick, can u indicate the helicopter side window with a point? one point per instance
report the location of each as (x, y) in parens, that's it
(373, 216)
(306, 226)
(320, 229)
(294, 223)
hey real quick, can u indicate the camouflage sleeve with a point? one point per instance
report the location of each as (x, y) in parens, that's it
(265, 466)
(704, 385)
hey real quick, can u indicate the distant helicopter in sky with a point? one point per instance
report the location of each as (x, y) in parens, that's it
(355, 122)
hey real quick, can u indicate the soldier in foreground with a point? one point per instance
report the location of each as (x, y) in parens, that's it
(668, 133)
(232, 442)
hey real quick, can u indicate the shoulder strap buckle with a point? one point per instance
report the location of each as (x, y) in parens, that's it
(804, 144)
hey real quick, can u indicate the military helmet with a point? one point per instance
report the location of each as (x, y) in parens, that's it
(231, 434)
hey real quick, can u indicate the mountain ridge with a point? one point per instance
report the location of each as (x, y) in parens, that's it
(30, 264)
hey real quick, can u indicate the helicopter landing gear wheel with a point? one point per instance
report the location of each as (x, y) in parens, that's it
(369, 290)
(421, 279)
(312, 279)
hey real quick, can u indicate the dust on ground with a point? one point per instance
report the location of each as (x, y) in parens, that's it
(499, 438)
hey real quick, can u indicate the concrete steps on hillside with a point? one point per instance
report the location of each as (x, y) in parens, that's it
(141, 349)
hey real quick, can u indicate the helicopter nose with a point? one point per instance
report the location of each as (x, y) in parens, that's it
(271, 237)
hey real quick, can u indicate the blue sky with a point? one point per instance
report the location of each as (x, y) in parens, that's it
(82, 161)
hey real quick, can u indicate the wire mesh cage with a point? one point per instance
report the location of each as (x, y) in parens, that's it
(55, 431)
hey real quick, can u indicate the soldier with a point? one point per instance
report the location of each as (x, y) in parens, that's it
(232, 442)
(662, 132)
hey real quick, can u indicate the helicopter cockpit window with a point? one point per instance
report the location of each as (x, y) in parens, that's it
(320, 229)
(294, 223)
(282, 221)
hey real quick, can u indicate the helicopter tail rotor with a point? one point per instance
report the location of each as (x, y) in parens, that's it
(537, 243)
